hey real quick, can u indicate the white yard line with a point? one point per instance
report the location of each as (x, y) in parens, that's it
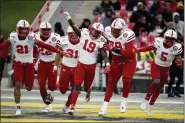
(93, 100)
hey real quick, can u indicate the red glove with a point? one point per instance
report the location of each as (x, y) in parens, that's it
(178, 62)
(108, 46)
(107, 68)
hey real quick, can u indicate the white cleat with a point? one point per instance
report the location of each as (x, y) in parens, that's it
(149, 111)
(71, 111)
(144, 105)
(65, 109)
(47, 109)
(123, 106)
(18, 112)
(103, 111)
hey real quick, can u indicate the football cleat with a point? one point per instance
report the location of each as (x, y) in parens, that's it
(103, 111)
(18, 112)
(47, 109)
(71, 110)
(144, 105)
(65, 109)
(88, 95)
(123, 106)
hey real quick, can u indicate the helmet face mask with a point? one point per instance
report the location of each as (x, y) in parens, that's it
(96, 30)
(169, 42)
(73, 38)
(117, 26)
(45, 30)
(170, 38)
(116, 32)
(23, 28)
(95, 33)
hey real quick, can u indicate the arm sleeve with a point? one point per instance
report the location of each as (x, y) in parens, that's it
(146, 48)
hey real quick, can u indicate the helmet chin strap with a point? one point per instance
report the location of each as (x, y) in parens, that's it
(44, 38)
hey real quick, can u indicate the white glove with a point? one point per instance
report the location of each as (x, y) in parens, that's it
(65, 13)
(10, 72)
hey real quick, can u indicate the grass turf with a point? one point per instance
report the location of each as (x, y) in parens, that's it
(14, 10)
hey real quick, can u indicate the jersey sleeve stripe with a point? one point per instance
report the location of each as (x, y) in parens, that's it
(131, 38)
(132, 35)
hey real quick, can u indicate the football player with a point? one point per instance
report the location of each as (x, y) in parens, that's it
(70, 43)
(46, 62)
(121, 45)
(167, 49)
(91, 43)
(22, 42)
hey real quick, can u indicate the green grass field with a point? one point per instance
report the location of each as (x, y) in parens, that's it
(14, 10)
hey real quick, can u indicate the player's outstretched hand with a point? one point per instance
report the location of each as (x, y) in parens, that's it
(65, 12)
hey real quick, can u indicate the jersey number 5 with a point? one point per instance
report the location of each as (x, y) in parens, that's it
(163, 56)
(22, 49)
(89, 46)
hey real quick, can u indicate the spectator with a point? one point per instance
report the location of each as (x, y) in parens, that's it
(58, 29)
(85, 24)
(3, 56)
(176, 72)
(141, 26)
(158, 26)
(160, 7)
(177, 23)
(141, 11)
(105, 4)
(180, 10)
(115, 4)
(131, 3)
(172, 6)
(109, 16)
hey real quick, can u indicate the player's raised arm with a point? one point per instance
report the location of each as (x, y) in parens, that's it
(71, 22)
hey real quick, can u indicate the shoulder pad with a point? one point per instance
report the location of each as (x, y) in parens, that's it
(129, 35)
(177, 48)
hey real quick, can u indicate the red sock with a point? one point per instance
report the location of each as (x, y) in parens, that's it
(126, 87)
(151, 89)
(68, 103)
(74, 97)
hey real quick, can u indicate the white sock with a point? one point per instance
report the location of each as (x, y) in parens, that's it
(124, 100)
(17, 104)
(105, 104)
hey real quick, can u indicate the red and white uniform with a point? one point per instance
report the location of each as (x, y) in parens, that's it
(121, 65)
(165, 56)
(68, 64)
(89, 50)
(45, 63)
(45, 55)
(23, 61)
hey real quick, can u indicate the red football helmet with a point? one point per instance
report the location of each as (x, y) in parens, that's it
(170, 38)
(45, 30)
(96, 30)
(73, 38)
(117, 26)
(23, 28)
